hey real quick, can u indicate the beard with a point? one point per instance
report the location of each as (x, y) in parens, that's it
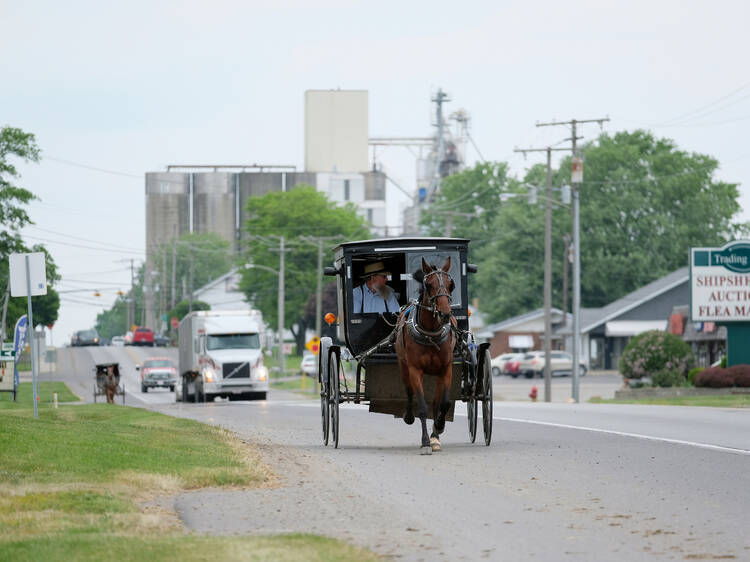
(384, 291)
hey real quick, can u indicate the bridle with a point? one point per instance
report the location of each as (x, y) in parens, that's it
(442, 291)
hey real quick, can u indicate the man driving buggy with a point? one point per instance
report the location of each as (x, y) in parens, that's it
(374, 295)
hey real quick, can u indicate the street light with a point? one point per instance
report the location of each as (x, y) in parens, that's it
(280, 310)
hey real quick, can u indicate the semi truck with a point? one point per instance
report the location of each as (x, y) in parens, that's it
(221, 356)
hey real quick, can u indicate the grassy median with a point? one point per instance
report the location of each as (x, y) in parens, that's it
(717, 401)
(73, 481)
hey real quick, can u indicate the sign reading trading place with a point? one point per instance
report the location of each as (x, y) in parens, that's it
(720, 283)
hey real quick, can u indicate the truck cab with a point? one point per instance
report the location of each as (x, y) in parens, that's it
(221, 356)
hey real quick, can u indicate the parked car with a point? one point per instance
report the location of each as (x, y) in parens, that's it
(309, 365)
(532, 364)
(143, 336)
(499, 362)
(84, 337)
(157, 372)
(160, 340)
(118, 341)
(511, 366)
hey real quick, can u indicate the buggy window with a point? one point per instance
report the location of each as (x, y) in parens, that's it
(414, 263)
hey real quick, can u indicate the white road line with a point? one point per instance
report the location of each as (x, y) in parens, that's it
(461, 413)
(634, 435)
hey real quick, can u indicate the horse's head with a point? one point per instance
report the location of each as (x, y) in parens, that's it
(437, 286)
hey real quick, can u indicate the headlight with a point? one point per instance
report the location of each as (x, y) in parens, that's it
(261, 373)
(209, 375)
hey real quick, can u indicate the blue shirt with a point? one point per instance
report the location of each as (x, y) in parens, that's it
(373, 302)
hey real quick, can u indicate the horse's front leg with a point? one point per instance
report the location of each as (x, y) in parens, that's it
(441, 405)
(416, 383)
(409, 414)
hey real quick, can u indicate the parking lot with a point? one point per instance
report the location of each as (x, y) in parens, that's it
(598, 383)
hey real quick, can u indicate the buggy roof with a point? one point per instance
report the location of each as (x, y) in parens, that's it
(107, 364)
(407, 243)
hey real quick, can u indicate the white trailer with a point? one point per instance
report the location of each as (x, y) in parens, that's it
(221, 355)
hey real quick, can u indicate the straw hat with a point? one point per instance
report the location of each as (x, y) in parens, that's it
(375, 268)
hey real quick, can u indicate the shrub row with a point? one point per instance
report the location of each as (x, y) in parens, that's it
(657, 354)
(720, 377)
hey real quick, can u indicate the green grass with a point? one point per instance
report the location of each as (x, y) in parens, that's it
(280, 548)
(46, 390)
(96, 442)
(718, 401)
(296, 385)
(292, 364)
(71, 483)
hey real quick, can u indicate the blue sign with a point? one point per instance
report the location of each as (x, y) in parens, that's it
(19, 341)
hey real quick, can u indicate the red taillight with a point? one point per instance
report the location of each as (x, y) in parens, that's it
(514, 365)
(534, 361)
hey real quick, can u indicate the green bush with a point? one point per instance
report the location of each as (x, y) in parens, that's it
(723, 363)
(668, 377)
(653, 352)
(691, 374)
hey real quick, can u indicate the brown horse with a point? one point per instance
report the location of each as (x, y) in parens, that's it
(424, 346)
(110, 385)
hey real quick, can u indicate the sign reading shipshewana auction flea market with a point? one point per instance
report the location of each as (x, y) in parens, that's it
(720, 283)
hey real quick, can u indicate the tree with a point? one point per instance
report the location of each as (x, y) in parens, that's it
(206, 254)
(16, 144)
(329, 303)
(182, 308)
(13, 216)
(298, 215)
(644, 203)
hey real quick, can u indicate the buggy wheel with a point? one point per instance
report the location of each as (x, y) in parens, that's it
(325, 345)
(484, 382)
(94, 394)
(333, 384)
(470, 384)
(471, 410)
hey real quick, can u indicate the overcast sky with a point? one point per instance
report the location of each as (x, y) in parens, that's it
(131, 88)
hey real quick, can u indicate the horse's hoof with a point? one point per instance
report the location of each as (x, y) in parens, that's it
(409, 419)
(435, 444)
(425, 450)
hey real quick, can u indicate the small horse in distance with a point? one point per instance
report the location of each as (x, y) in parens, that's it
(425, 342)
(110, 385)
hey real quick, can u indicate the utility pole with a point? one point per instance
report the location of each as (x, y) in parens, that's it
(280, 310)
(174, 268)
(576, 181)
(131, 304)
(440, 98)
(163, 289)
(190, 302)
(566, 255)
(318, 242)
(547, 269)
(5, 311)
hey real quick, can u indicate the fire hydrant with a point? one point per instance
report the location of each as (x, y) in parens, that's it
(533, 393)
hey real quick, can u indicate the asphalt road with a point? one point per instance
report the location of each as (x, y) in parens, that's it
(560, 481)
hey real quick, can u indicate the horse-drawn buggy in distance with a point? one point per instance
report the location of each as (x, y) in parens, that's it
(422, 353)
(108, 382)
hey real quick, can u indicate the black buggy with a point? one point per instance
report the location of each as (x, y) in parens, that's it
(365, 336)
(100, 370)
